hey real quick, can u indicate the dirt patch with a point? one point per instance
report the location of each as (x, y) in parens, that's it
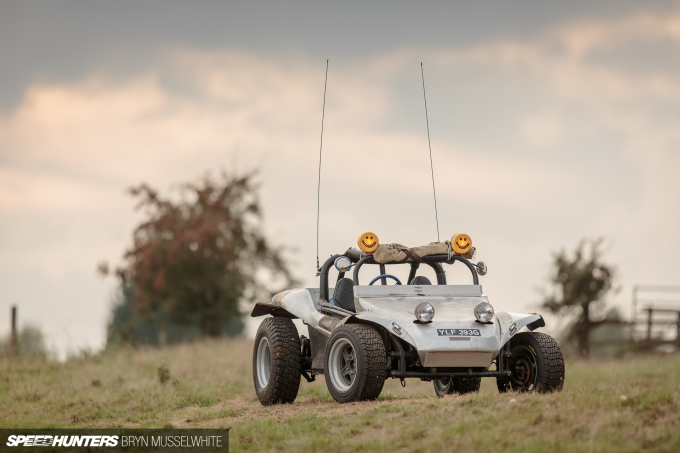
(239, 411)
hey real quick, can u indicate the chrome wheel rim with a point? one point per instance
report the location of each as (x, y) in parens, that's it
(342, 365)
(263, 362)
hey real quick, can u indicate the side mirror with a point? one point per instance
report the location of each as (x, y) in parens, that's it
(343, 264)
(481, 268)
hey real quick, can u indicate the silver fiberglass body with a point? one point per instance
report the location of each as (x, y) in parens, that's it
(360, 335)
(454, 338)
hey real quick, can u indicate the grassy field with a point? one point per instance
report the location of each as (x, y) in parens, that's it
(627, 405)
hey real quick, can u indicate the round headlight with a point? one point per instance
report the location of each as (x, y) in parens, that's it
(484, 312)
(424, 312)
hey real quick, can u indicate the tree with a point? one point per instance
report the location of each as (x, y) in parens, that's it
(193, 260)
(579, 286)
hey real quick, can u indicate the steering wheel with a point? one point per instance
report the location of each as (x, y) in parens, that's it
(385, 276)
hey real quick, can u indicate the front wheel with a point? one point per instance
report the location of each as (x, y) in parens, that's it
(355, 365)
(536, 364)
(276, 361)
(461, 386)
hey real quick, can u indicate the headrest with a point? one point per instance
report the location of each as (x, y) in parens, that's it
(420, 280)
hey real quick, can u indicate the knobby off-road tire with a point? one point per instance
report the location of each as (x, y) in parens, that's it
(355, 363)
(447, 386)
(536, 363)
(276, 361)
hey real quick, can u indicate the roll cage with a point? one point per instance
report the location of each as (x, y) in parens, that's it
(434, 261)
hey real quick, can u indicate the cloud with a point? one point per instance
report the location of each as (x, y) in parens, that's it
(544, 129)
(22, 191)
(534, 139)
(561, 60)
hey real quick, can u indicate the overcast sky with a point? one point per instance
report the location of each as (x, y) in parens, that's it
(550, 122)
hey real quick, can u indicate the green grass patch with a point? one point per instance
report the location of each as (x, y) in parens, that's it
(196, 399)
(612, 405)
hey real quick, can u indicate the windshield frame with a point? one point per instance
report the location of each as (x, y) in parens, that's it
(434, 261)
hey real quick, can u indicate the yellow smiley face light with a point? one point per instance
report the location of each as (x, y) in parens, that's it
(368, 242)
(461, 243)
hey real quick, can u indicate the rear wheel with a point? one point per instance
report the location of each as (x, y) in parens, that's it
(446, 386)
(355, 363)
(536, 364)
(276, 361)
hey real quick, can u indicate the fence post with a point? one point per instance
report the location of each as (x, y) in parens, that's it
(649, 324)
(633, 315)
(13, 343)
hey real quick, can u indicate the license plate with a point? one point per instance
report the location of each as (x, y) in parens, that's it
(458, 332)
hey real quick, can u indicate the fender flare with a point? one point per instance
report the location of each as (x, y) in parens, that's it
(511, 323)
(261, 309)
(293, 303)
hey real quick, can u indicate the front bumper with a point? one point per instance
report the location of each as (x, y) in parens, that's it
(437, 348)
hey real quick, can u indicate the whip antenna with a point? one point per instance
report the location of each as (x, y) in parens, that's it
(318, 189)
(427, 122)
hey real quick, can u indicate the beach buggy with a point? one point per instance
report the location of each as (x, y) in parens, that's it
(364, 330)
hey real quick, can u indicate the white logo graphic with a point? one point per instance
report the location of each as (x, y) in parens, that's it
(62, 441)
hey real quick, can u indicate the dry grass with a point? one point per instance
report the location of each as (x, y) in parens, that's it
(209, 384)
